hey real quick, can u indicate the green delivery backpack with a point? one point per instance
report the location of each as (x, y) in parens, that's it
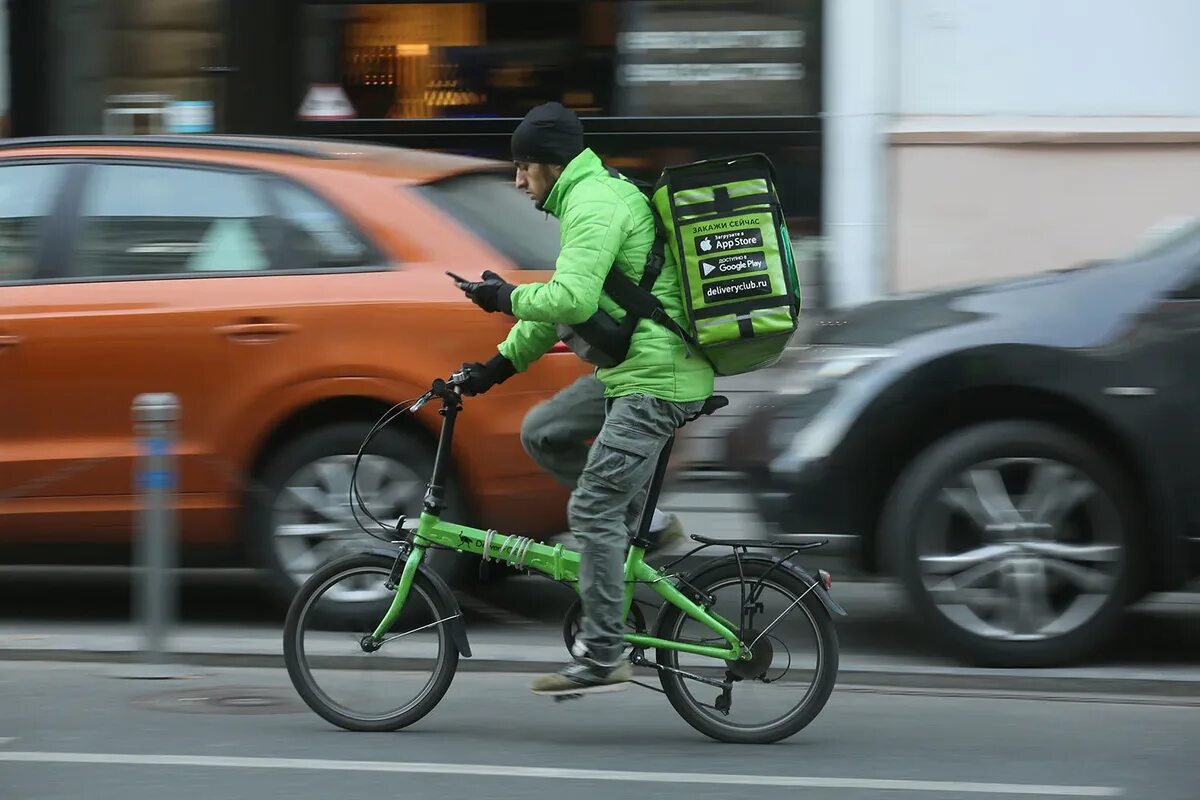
(722, 221)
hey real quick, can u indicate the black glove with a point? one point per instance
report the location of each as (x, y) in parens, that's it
(491, 294)
(481, 377)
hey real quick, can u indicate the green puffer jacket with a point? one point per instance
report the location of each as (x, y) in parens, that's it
(606, 221)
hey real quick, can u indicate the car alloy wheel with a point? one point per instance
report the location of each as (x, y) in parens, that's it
(315, 521)
(1020, 548)
(1016, 542)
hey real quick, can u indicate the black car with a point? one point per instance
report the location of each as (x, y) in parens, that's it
(1023, 455)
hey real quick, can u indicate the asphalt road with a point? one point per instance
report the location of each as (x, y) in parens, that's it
(82, 730)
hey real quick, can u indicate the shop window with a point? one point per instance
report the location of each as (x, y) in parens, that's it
(650, 58)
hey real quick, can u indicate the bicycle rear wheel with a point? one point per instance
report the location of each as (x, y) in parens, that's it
(330, 669)
(791, 675)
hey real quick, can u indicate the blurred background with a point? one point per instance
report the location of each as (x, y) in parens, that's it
(988, 412)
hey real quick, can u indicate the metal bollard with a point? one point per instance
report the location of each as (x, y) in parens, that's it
(154, 418)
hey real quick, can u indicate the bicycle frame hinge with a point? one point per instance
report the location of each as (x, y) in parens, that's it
(433, 500)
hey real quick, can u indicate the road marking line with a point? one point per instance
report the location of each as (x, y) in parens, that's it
(6, 739)
(503, 771)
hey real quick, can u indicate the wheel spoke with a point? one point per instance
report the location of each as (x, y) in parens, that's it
(397, 495)
(311, 499)
(1029, 608)
(335, 475)
(1095, 553)
(1087, 580)
(321, 530)
(372, 471)
(967, 501)
(971, 577)
(952, 564)
(993, 496)
(963, 588)
(1052, 493)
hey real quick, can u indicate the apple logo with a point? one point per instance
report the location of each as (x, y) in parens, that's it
(706, 244)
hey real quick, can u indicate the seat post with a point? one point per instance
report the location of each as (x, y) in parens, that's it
(643, 537)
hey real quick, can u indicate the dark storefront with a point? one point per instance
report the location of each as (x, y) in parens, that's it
(657, 81)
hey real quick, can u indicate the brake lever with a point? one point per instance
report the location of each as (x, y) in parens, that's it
(455, 379)
(417, 406)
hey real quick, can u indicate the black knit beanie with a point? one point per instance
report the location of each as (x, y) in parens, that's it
(550, 134)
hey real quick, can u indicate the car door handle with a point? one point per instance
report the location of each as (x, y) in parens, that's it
(10, 340)
(256, 332)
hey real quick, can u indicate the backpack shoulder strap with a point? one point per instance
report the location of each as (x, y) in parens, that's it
(637, 298)
(655, 258)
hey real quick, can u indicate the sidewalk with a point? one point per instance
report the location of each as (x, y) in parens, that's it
(540, 648)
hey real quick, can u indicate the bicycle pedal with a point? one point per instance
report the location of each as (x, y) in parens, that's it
(558, 698)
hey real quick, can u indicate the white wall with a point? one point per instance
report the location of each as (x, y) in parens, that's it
(1049, 57)
(965, 213)
(957, 78)
(1035, 134)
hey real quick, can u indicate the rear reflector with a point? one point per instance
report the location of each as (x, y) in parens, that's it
(826, 578)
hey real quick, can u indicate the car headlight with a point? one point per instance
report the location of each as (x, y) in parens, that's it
(818, 366)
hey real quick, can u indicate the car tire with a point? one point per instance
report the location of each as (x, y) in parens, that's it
(335, 447)
(929, 507)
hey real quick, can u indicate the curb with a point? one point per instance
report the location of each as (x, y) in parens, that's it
(1134, 686)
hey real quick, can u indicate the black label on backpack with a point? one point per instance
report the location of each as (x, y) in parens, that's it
(719, 291)
(724, 266)
(712, 243)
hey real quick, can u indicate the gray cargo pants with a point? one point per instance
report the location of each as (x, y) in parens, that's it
(555, 433)
(607, 503)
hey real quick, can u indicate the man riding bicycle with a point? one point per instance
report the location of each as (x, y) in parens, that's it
(606, 223)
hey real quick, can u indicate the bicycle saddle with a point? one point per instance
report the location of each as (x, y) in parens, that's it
(711, 406)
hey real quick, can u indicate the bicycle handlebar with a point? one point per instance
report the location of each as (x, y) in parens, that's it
(443, 389)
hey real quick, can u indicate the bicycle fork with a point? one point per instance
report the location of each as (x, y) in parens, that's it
(400, 579)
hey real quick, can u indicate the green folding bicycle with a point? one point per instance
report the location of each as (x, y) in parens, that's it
(745, 645)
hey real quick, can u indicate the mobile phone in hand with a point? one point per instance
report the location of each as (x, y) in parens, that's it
(459, 281)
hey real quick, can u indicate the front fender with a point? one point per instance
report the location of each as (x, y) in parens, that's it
(456, 625)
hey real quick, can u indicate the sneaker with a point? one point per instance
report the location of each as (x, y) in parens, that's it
(585, 675)
(670, 535)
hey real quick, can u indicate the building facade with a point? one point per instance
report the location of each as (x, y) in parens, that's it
(919, 143)
(976, 140)
(656, 81)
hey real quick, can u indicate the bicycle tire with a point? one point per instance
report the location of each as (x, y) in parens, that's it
(444, 670)
(685, 705)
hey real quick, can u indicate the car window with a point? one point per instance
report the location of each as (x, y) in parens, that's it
(27, 195)
(140, 220)
(500, 214)
(316, 235)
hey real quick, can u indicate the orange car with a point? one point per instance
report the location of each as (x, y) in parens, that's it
(288, 292)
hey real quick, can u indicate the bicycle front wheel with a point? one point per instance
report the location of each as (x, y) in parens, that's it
(358, 688)
(794, 663)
